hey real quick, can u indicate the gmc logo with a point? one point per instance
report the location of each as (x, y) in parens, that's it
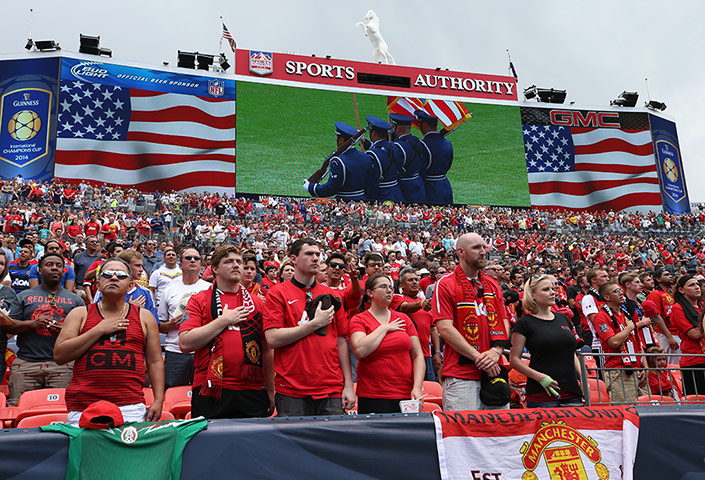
(110, 360)
(591, 119)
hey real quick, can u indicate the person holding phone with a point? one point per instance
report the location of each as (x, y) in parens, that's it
(549, 336)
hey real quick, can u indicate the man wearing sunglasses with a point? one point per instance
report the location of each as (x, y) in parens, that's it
(39, 313)
(178, 366)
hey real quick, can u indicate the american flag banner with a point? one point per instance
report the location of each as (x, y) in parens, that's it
(450, 114)
(152, 140)
(229, 37)
(578, 164)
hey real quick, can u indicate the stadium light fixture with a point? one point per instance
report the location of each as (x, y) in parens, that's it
(655, 105)
(223, 61)
(550, 95)
(545, 95)
(204, 61)
(89, 44)
(625, 99)
(29, 44)
(187, 60)
(106, 52)
(47, 45)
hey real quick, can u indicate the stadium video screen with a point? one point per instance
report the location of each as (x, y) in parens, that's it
(284, 133)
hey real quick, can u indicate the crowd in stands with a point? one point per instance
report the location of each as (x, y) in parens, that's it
(279, 278)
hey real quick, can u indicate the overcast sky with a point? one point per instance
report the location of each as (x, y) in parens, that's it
(594, 49)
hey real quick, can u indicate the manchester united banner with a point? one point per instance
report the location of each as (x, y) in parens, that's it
(538, 444)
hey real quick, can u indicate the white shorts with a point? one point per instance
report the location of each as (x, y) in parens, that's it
(136, 412)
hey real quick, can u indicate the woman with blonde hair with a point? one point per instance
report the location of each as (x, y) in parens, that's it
(552, 373)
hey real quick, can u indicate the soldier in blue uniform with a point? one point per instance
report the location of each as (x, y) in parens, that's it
(387, 162)
(347, 173)
(416, 159)
(438, 189)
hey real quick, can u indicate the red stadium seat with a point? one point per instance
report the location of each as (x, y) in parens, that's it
(590, 366)
(598, 392)
(696, 399)
(166, 416)
(188, 415)
(41, 410)
(148, 396)
(43, 398)
(41, 420)
(5, 389)
(177, 400)
(433, 389)
(676, 378)
(653, 400)
(3, 400)
(430, 407)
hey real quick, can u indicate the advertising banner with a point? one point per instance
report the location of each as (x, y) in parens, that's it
(670, 165)
(149, 129)
(589, 160)
(538, 444)
(28, 93)
(346, 74)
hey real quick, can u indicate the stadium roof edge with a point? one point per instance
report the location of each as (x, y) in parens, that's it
(114, 61)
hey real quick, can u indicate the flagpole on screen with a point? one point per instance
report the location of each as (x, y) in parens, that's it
(220, 45)
(512, 70)
(31, 10)
(648, 94)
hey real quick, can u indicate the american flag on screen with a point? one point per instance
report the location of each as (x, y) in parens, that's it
(229, 37)
(587, 168)
(450, 114)
(149, 140)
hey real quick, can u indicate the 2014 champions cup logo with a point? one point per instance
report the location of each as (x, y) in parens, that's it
(24, 116)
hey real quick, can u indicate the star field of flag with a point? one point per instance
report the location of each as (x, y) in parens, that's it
(93, 111)
(549, 148)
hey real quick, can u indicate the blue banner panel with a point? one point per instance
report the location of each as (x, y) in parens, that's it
(357, 448)
(28, 96)
(671, 445)
(146, 79)
(670, 165)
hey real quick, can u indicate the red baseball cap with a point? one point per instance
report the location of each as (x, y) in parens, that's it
(101, 414)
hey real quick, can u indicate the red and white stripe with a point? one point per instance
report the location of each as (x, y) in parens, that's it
(174, 142)
(614, 169)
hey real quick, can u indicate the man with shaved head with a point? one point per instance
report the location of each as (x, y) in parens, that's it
(468, 308)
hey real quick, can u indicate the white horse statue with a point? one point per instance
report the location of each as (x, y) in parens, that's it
(381, 49)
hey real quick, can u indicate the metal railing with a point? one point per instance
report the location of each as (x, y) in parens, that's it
(624, 385)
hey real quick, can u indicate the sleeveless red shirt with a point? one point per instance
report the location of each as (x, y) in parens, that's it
(112, 369)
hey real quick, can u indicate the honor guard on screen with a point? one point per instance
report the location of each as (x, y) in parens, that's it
(347, 172)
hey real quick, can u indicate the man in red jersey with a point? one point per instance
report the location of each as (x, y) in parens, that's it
(233, 365)
(111, 342)
(468, 308)
(412, 303)
(312, 360)
(666, 333)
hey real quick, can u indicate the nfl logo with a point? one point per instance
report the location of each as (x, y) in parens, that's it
(216, 88)
(261, 63)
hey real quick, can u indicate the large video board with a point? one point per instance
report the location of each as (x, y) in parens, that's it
(287, 111)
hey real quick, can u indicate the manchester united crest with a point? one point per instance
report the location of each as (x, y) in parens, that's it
(565, 451)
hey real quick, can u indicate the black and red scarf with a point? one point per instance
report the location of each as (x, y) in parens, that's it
(251, 333)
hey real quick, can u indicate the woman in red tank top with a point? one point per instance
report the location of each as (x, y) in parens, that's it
(109, 342)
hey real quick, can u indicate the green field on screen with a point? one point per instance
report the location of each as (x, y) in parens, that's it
(284, 133)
